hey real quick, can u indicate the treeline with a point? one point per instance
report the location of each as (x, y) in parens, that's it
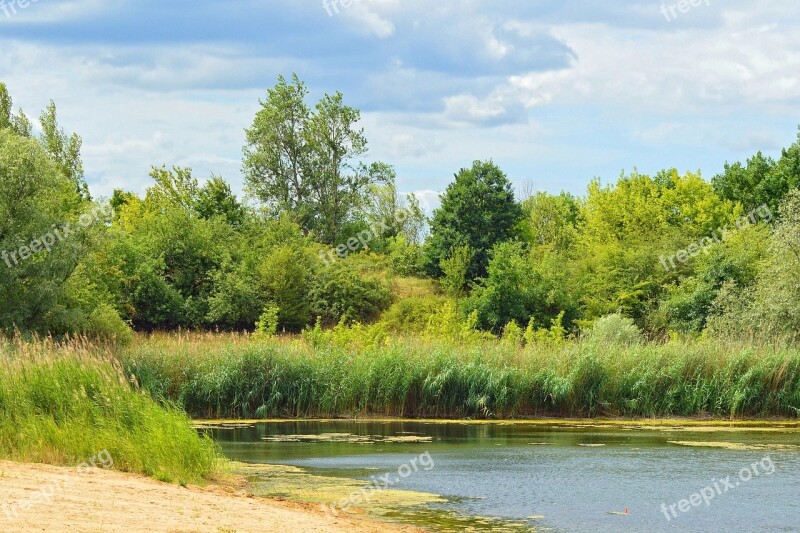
(328, 239)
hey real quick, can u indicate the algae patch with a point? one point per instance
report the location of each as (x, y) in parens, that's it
(347, 437)
(738, 446)
(298, 484)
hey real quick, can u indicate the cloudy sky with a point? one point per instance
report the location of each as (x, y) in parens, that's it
(556, 92)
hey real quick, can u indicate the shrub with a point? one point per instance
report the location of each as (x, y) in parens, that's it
(104, 323)
(455, 268)
(411, 315)
(267, 324)
(615, 330)
(405, 257)
(341, 293)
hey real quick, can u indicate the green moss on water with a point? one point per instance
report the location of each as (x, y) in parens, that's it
(410, 507)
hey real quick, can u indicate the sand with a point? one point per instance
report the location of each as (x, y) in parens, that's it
(62, 499)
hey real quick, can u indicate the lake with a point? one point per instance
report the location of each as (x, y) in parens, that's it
(533, 476)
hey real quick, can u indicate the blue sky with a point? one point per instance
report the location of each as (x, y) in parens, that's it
(556, 92)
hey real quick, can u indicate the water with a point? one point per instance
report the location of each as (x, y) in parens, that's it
(571, 478)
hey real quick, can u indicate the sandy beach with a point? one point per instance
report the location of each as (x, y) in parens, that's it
(47, 498)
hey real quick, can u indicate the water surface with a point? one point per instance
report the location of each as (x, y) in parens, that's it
(559, 477)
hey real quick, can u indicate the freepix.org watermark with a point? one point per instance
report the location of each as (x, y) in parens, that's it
(721, 486)
(718, 236)
(47, 241)
(10, 7)
(671, 12)
(362, 240)
(58, 486)
(332, 6)
(379, 484)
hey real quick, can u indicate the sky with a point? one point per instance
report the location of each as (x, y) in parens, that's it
(555, 92)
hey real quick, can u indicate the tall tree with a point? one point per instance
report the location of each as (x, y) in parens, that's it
(64, 150)
(19, 123)
(307, 162)
(478, 210)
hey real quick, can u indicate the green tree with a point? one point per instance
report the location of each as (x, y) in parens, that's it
(19, 123)
(478, 210)
(307, 162)
(550, 220)
(216, 199)
(64, 150)
(519, 287)
(762, 180)
(39, 256)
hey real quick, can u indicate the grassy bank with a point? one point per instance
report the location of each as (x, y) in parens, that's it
(230, 376)
(64, 404)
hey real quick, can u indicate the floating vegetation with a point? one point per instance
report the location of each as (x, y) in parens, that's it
(347, 437)
(736, 445)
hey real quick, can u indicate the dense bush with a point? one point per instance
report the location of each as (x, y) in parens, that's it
(341, 293)
(614, 330)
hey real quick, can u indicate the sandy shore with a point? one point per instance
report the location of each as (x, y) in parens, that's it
(47, 498)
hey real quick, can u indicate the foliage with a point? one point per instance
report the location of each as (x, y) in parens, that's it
(614, 330)
(762, 180)
(515, 289)
(305, 162)
(267, 324)
(332, 237)
(478, 210)
(455, 270)
(339, 293)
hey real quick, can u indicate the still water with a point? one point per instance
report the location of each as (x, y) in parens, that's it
(560, 477)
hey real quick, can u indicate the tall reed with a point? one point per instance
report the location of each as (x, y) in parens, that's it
(237, 377)
(63, 403)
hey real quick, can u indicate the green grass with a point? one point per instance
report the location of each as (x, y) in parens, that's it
(229, 376)
(64, 404)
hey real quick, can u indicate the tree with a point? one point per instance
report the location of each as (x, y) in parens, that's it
(307, 163)
(628, 228)
(216, 199)
(550, 220)
(36, 203)
(520, 287)
(19, 123)
(478, 210)
(762, 180)
(387, 213)
(64, 150)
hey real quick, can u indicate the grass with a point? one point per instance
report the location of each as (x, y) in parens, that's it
(233, 376)
(65, 403)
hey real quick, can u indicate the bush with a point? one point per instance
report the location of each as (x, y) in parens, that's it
(267, 324)
(105, 324)
(455, 269)
(411, 315)
(340, 293)
(615, 330)
(405, 258)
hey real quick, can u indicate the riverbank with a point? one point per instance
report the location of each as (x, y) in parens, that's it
(113, 502)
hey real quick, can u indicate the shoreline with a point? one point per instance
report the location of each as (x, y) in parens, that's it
(117, 502)
(689, 422)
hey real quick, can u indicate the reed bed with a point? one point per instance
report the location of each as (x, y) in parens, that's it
(238, 377)
(65, 402)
